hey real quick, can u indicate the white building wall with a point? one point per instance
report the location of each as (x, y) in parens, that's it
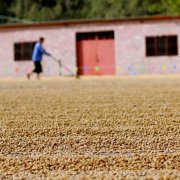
(60, 41)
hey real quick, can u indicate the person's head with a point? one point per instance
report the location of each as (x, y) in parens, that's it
(41, 40)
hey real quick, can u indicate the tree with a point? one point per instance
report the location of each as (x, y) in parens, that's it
(47, 10)
(172, 7)
(4, 10)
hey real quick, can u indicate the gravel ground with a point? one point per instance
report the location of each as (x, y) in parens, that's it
(91, 128)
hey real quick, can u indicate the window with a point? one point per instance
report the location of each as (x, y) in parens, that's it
(162, 45)
(95, 35)
(23, 51)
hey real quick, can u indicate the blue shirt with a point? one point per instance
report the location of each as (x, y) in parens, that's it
(38, 52)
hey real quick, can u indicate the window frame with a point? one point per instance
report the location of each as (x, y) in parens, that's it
(169, 48)
(21, 53)
(97, 35)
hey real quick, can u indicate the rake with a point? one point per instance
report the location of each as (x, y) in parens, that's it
(61, 65)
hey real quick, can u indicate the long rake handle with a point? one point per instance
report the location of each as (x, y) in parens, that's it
(61, 65)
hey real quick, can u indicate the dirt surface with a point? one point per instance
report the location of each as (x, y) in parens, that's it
(91, 128)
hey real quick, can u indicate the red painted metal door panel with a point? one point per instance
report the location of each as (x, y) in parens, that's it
(86, 57)
(95, 54)
(105, 55)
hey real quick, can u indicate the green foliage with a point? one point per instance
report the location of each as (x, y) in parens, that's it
(172, 7)
(4, 9)
(47, 10)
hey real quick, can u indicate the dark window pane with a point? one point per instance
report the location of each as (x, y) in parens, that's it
(94, 35)
(161, 46)
(86, 37)
(102, 35)
(27, 51)
(17, 51)
(150, 46)
(172, 45)
(78, 37)
(106, 35)
(91, 36)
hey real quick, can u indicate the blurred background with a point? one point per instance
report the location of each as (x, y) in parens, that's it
(91, 37)
(50, 10)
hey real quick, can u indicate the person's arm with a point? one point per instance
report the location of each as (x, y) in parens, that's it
(43, 51)
(46, 53)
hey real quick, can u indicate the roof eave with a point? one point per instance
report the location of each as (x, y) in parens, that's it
(90, 21)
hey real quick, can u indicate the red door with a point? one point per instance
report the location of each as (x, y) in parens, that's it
(86, 57)
(105, 55)
(95, 53)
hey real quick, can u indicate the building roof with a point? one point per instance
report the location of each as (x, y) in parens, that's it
(89, 21)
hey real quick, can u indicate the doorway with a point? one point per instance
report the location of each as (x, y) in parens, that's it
(95, 53)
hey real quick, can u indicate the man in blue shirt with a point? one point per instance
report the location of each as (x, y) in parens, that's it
(37, 55)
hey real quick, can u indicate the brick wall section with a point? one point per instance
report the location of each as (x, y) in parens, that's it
(60, 41)
(130, 48)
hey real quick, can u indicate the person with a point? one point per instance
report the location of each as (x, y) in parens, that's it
(37, 56)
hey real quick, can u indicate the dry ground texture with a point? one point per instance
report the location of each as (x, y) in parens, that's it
(91, 128)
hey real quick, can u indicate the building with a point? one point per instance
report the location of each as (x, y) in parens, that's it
(94, 47)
